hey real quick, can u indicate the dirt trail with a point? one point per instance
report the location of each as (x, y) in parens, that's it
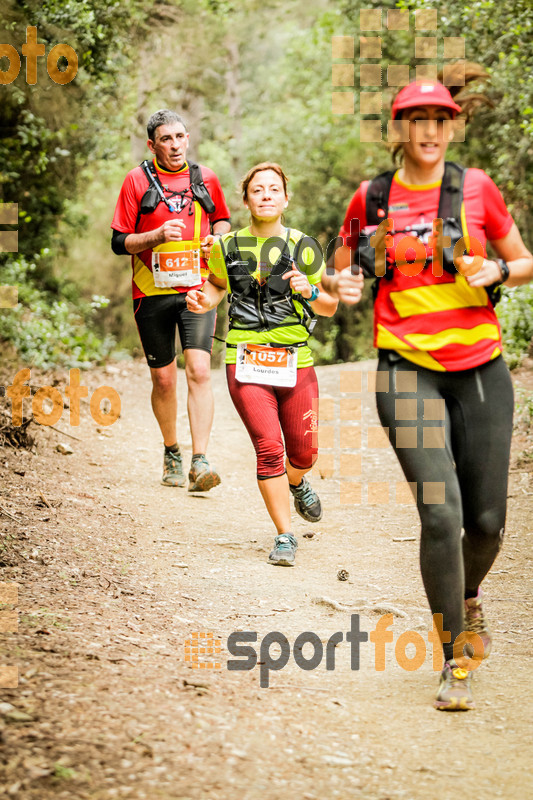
(116, 572)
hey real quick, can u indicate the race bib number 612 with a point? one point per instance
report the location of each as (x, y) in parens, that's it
(176, 264)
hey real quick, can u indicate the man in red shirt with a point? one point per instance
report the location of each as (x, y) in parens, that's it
(164, 223)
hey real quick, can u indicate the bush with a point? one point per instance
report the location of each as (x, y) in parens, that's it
(515, 312)
(48, 329)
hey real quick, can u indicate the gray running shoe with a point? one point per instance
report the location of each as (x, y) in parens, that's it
(173, 474)
(285, 546)
(201, 476)
(454, 692)
(306, 501)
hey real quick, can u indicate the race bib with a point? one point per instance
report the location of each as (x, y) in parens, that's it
(261, 363)
(176, 264)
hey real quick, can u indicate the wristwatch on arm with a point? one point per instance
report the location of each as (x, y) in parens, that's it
(315, 291)
(504, 269)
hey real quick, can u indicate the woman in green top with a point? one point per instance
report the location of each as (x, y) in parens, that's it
(273, 276)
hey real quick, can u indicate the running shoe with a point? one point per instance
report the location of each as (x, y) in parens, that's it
(454, 692)
(202, 477)
(306, 501)
(475, 621)
(173, 474)
(285, 546)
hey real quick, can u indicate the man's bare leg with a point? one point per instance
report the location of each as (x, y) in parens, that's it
(164, 401)
(165, 408)
(200, 403)
(200, 406)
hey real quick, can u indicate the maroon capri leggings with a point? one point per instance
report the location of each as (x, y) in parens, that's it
(270, 411)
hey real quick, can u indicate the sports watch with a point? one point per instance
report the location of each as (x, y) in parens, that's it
(503, 268)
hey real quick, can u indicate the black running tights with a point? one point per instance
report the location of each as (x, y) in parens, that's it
(456, 458)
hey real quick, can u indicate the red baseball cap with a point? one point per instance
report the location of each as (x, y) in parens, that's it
(424, 93)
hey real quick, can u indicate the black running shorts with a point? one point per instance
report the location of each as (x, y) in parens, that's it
(157, 317)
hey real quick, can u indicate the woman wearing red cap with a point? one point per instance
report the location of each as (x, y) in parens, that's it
(449, 404)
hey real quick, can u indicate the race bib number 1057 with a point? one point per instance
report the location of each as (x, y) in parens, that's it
(259, 363)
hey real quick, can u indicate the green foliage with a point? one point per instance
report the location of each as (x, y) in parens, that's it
(523, 417)
(64, 773)
(48, 330)
(49, 131)
(515, 312)
(49, 134)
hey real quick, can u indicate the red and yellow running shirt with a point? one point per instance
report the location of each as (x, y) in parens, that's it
(440, 323)
(128, 219)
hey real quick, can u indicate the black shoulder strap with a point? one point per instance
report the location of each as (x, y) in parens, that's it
(232, 249)
(285, 260)
(451, 192)
(286, 248)
(377, 197)
(297, 247)
(145, 166)
(153, 179)
(150, 171)
(199, 189)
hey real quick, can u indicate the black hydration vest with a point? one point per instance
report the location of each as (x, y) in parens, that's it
(450, 203)
(255, 306)
(155, 193)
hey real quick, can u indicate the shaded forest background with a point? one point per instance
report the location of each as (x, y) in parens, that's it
(253, 81)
